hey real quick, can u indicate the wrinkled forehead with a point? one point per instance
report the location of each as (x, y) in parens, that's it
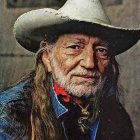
(78, 30)
(54, 32)
(79, 38)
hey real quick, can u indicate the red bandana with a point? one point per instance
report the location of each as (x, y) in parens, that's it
(65, 96)
(60, 91)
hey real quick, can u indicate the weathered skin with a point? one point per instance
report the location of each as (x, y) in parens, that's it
(78, 57)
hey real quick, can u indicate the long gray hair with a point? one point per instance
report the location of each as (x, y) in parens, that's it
(43, 124)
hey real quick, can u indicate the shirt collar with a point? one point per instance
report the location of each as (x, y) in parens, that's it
(61, 109)
(57, 106)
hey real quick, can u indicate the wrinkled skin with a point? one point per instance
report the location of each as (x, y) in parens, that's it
(77, 62)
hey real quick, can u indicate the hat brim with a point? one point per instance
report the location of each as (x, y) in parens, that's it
(29, 29)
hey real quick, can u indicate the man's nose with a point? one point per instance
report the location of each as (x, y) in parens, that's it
(88, 60)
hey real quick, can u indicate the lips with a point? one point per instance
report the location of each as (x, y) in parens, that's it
(87, 79)
(88, 76)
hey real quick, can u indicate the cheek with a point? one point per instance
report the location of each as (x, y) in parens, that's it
(65, 62)
(102, 64)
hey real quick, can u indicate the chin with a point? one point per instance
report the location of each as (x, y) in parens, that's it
(81, 90)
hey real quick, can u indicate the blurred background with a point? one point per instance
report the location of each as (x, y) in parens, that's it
(16, 62)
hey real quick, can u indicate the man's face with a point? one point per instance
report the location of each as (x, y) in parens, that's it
(78, 62)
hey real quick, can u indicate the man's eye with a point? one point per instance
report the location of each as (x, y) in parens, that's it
(74, 47)
(102, 51)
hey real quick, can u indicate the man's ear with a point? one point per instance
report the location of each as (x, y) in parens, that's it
(46, 61)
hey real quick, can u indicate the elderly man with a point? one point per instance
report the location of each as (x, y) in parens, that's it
(72, 94)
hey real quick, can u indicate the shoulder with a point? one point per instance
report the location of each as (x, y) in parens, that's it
(14, 110)
(116, 123)
(13, 93)
(16, 98)
(13, 98)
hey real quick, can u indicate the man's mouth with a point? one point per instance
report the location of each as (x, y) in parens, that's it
(88, 76)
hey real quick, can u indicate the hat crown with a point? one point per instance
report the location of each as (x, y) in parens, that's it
(85, 9)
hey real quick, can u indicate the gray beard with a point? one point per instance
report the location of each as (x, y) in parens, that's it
(82, 89)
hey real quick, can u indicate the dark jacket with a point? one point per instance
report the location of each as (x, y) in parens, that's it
(113, 124)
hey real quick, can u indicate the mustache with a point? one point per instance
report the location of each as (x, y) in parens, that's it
(82, 72)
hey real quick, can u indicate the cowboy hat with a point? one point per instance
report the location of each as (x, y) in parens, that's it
(29, 28)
